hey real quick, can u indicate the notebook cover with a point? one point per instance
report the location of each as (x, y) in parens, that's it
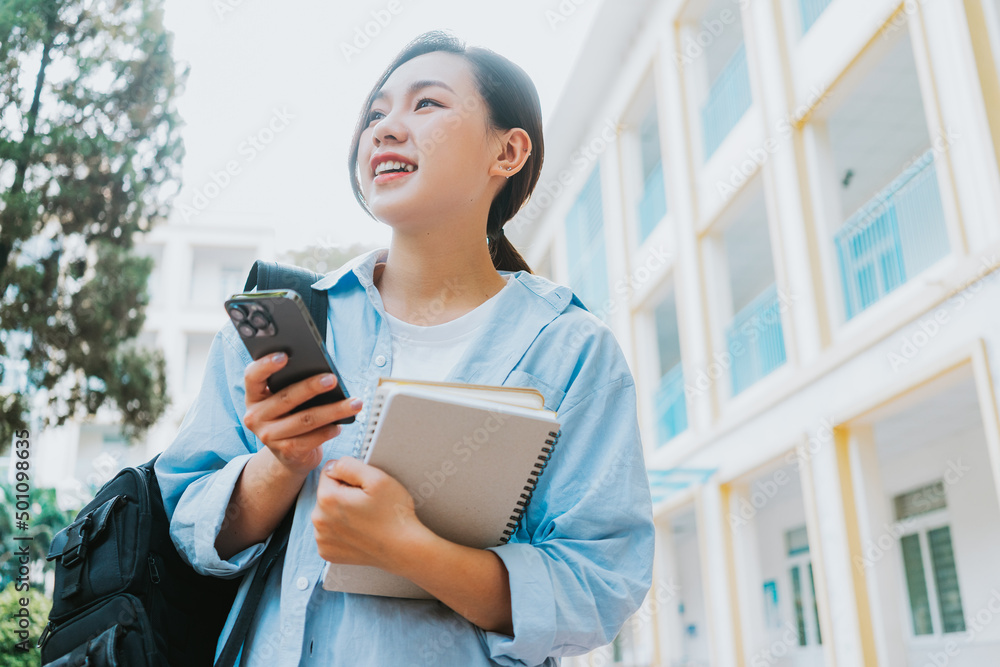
(466, 468)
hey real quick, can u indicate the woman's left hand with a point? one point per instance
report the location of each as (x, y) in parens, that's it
(363, 516)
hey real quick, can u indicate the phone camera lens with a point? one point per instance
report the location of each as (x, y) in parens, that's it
(237, 314)
(259, 319)
(246, 330)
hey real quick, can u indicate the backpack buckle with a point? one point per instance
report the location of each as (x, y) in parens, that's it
(76, 543)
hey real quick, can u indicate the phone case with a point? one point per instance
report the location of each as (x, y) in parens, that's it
(278, 321)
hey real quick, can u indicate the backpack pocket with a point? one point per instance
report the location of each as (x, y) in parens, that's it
(96, 555)
(115, 633)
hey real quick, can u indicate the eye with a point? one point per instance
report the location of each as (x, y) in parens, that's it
(374, 115)
(426, 99)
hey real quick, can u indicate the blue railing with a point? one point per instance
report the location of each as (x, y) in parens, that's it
(671, 408)
(755, 340)
(810, 11)
(665, 483)
(896, 235)
(728, 99)
(653, 203)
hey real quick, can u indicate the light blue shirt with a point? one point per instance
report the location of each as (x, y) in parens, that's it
(580, 562)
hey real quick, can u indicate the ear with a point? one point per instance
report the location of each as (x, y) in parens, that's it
(515, 147)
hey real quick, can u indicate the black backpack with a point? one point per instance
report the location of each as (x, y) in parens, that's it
(123, 595)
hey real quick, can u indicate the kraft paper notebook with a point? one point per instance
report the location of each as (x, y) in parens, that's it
(470, 455)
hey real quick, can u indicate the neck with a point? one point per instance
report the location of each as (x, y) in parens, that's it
(434, 276)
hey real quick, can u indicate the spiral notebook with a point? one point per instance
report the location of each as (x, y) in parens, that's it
(470, 455)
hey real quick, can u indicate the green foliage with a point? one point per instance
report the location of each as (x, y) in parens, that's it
(45, 520)
(38, 613)
(90, 156)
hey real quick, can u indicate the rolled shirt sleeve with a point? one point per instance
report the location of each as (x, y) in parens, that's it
(199, 469)
(581, 560)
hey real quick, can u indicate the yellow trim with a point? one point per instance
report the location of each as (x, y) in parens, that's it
(816, 554)
(804, 118)
(725, 493)
(987, 408)
(986, 69)
(841, 439)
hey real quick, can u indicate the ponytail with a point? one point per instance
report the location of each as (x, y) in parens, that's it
(503, 253)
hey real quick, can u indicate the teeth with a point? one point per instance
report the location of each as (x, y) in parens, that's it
(385, 166)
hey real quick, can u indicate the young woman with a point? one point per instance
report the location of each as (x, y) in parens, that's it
(447, 149)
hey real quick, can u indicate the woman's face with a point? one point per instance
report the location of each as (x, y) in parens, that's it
(430, 118)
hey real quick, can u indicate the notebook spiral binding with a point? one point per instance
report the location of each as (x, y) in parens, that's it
(531, 485)
(373, 415)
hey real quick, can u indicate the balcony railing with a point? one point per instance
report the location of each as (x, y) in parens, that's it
(755, 340)
(728, 99)
(896, 235)
(671, 408)
(653, 203)
(810, 11)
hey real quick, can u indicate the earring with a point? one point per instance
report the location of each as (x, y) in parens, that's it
(509, 168)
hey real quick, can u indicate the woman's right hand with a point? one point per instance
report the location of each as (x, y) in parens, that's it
(296, 439)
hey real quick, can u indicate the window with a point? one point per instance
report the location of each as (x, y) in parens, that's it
(929, 562)
(588, 270)
(671, 406)
(231, 281)
(653, 199)
(803, 585)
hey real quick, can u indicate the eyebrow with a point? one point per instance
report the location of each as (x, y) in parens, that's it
(415, 86)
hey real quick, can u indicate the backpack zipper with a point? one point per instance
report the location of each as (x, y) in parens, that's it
(154, 574)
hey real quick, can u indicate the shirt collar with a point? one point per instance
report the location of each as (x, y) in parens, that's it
(362, 268)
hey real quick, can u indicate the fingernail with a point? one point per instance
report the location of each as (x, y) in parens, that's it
(329, 465)
(278, 357)
(328, 380)
(356, 403)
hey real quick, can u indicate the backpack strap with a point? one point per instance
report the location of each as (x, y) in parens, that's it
(272, 275)
(266, 276)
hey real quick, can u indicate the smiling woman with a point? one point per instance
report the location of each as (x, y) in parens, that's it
(447, 149)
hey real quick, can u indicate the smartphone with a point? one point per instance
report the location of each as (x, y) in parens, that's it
(278, 321)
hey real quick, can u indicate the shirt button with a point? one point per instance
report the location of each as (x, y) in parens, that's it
(302, 583)
(380, 360)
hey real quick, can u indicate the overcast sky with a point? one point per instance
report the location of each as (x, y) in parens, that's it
(275, 89)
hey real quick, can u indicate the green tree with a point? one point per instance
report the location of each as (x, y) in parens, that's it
(45, 519)
(90, 156)
(37, 614)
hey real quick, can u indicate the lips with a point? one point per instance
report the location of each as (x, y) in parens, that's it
(388, 167)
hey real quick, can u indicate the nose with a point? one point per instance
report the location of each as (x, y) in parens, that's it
(389, 128)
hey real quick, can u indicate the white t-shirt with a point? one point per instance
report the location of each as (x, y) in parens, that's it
(430, 352)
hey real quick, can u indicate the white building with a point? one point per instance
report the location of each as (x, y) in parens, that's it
(788, 213)
(197, 267)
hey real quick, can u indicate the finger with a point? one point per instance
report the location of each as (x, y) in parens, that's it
(256, 374)
(353, 472)
(284, 401)
(304, 421)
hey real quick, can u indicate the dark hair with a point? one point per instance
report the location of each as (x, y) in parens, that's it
(512, 101)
